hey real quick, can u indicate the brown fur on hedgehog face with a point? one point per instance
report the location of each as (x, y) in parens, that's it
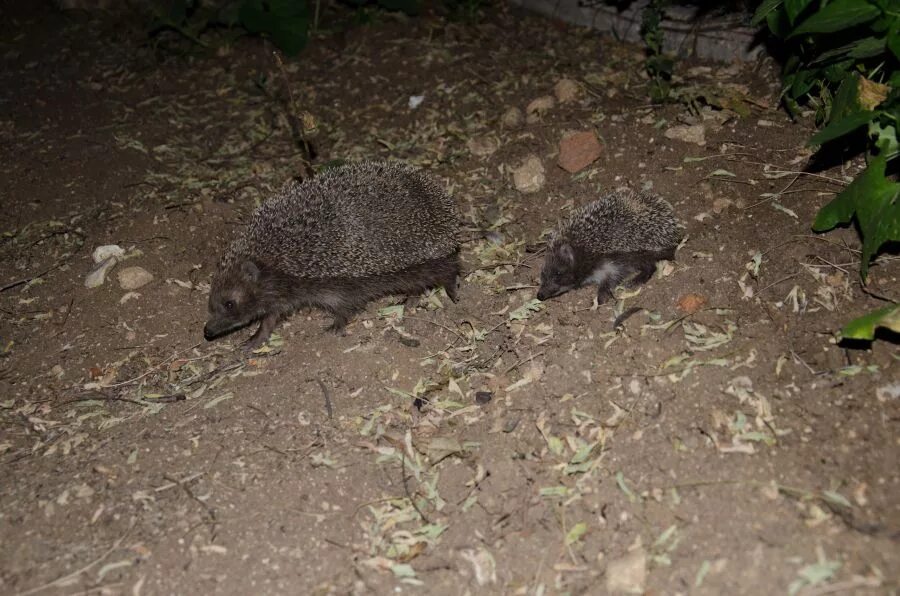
(235, 300)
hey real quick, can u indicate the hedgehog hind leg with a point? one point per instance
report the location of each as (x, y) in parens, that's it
(645, 272)
(644, 263)
(341, 319)
(341, 299)
(442, 272)
(342, 314)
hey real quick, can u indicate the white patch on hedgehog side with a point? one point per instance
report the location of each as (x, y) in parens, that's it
(329, 299)
(602, 273)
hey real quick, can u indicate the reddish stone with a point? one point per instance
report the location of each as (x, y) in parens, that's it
(578, 150)
(691, 303)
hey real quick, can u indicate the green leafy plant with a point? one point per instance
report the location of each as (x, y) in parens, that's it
(865, 327)
(841, 59)
(659, 66)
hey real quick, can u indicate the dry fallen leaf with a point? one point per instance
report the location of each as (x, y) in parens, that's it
(871, 94)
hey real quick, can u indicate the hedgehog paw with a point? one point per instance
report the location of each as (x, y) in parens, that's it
(452, 290)
(604, 295)
(262, 334)
(253, 344)
(339, 325)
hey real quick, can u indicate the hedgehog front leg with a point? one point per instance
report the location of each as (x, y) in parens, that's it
(451, 286)
(644, 263)
(266, 326)
(604, 293)
(452, 290)
(452, 279)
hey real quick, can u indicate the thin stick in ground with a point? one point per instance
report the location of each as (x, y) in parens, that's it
(60, 581)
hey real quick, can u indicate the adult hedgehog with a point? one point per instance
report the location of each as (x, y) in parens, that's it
(337, 241)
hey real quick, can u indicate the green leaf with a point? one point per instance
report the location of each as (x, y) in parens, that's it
(872, 198)
(846, 112)
(763, 11)
(575, 534)
(524, 312)
(893, 38)
(836, 498)
(894, 82)
(794, 8)
(867, 48)
(705, 566)
(841, 127)
(665, 536)
(620, 480)
(837, 16)
(859, 49)
(802, 82)
(864, 327)
(778, 23)
(554, 491)
(836, 72)
(886, 139)
(846, 99)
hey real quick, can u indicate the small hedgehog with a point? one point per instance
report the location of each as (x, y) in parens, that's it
(337, 241)
(606, 242)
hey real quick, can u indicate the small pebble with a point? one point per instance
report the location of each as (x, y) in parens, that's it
(512, 118)
(540, 105)
(566, 90)
(695, 134)
(132, 278)
(482, 146)
(529, 176)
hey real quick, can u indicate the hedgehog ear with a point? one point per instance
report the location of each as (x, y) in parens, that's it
(250, 271)
(567, 254)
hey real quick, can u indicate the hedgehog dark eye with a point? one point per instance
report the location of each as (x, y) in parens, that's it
(229, 305)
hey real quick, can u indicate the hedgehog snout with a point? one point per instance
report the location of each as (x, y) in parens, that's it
(211, 331)
(549, 290)
(218, 326)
